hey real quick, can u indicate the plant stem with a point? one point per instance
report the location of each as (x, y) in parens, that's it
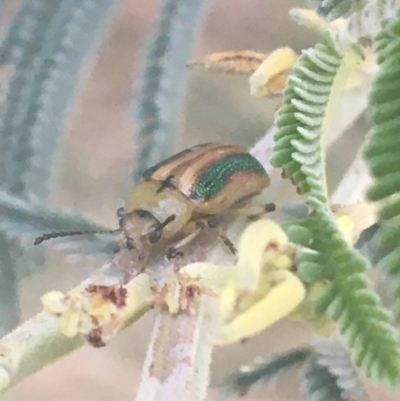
(179, 355)
(39, 342)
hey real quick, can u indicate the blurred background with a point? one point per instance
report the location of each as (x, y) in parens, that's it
(95, 172)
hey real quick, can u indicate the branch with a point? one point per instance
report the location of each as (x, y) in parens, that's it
(178, 359)
(40, 341)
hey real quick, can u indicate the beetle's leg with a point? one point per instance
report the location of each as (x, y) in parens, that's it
(168, 220)
(173, 251)
(228, 243)
(155, 233)
(200, 225)
(255, 211)
(214, 223)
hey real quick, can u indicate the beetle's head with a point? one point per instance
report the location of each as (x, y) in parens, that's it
(141, 228)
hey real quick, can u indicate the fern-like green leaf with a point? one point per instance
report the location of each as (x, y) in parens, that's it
(43, 53)
(300, 119)
(332, 9)
(364, 22)
(313, 91)
(9, 297)
(358, 311)
(367, 244)
(332, 354)
(313, 266)
(319, 384)
(160, 98)
(24, 220)
(262, 371)
(330, 374)
(383, 152)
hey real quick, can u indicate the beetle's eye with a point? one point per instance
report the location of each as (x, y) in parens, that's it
(155, 236)
(130, 243)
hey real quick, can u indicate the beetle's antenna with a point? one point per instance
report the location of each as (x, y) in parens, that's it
(59, 234)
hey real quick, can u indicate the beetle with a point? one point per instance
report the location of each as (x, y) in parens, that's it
(184, 194)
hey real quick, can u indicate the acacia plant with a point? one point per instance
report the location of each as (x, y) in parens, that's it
(310, 265)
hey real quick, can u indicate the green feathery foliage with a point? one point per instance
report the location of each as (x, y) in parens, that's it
(365, 21)
(14, 152)
(312, 92)
(9, 299)
(10, 252)
(330, 353)
(298, 139)
(332, 9)
(42, 55)
(160, 97)
(319, 384)
(367, 245)
(263, 371)
(26, 220)
(383, 152)
(329, 372)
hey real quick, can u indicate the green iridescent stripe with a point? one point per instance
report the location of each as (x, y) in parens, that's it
(213, 179)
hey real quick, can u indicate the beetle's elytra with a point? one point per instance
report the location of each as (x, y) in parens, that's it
(213, 176)
(183, 194)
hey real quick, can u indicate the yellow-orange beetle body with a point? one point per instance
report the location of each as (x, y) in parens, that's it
(202, 181)
(176, 196)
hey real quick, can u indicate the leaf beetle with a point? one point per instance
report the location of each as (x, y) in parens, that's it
(181, 196)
